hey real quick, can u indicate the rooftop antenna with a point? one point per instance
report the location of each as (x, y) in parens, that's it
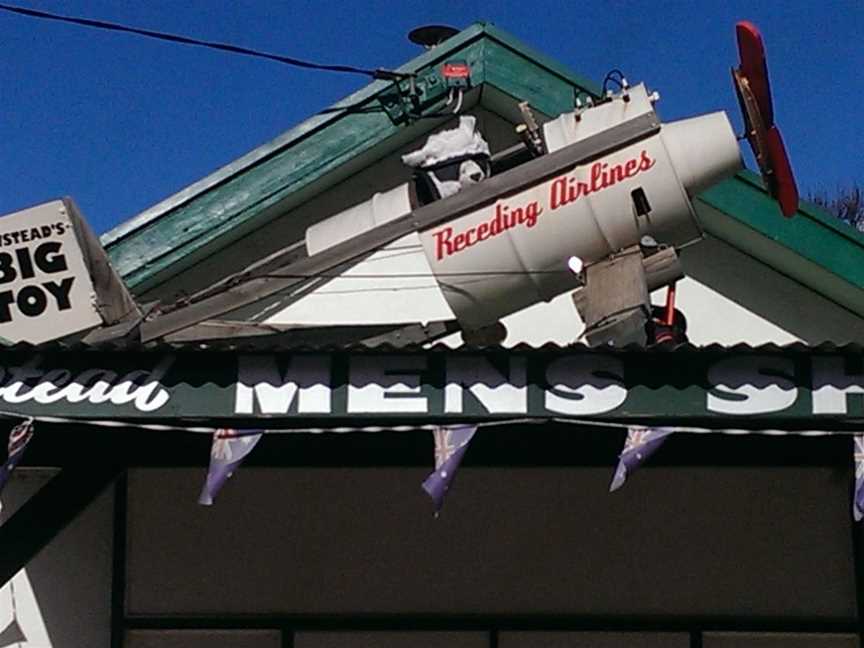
(430, 36)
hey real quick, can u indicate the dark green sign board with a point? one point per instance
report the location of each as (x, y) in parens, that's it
(733, 388)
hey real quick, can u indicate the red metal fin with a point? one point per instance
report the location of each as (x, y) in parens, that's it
(784, 188)
(751, 51)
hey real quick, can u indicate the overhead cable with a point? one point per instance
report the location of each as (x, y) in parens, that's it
(377, 73)
(404, 275)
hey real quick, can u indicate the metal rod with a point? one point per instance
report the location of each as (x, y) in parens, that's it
(670, 305)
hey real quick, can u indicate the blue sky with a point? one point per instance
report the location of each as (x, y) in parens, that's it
(119, 122)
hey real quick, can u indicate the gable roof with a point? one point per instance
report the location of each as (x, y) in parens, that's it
(812, 248)
(305, 160)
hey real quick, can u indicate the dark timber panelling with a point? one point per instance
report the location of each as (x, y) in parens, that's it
(753, 545)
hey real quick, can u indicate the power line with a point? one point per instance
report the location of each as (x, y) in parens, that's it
(407, 275)
(378, 73)
(474, 277)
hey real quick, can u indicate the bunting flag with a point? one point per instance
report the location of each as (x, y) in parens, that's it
(858, 497)
(229, 449)
(640, 444)
(451, 443)
(19, 437)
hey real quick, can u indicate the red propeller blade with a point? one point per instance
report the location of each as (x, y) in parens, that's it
(785, 191)
(751, 50)
(754, 94)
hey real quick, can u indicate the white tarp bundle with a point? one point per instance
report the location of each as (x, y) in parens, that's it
(464, 140)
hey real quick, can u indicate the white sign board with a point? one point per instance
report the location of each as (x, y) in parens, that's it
(45, 287)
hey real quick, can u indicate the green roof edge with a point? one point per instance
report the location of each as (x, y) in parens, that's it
(164, 239)
(810, 210)
(292, 135)
(813, 248)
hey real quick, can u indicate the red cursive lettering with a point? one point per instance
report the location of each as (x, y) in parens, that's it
(505, 218)
(562, 191)
(601, 175)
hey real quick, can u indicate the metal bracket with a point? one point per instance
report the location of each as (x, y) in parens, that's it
(530, 132)
(614, 302)
(457, 74)
(407, 100)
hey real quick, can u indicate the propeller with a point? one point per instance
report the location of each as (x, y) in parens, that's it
(754, 95)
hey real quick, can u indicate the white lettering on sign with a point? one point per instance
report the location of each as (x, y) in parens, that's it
(386, 384)
(832, 386)
(497, 392)
(751, 384)
(584, 385)
(448, 385)
(307, 379)
(140, 388)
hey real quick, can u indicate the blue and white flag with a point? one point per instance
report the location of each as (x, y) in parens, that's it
(19, 437)
(858, 497)
(451, 443)
(229, 449)
(640, 444)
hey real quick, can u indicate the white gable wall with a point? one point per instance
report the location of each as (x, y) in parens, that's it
(711, 317)
(728, 298)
